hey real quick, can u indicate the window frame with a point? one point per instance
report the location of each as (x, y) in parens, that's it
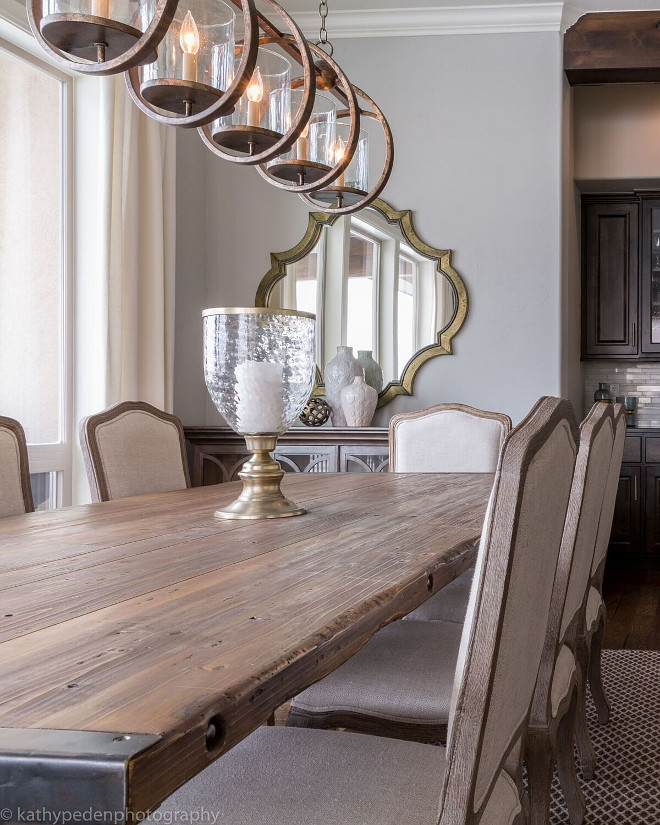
(57, 458)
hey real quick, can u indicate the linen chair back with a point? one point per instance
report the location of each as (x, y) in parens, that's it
(584, 511)
(15, 490)
(447, 438)
(132, 449)
(507, 618)
(607, 512)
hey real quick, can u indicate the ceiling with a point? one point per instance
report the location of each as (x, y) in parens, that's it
(366, 5)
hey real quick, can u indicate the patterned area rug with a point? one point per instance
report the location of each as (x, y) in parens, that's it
(626, 790)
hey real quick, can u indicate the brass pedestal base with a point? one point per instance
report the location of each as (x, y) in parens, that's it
(261, 477)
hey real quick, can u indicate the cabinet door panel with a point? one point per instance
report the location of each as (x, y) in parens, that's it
(627, 523)
(611, 279)
(653, 509)
(650, 277)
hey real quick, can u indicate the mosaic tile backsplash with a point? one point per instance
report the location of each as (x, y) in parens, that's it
(634, 378)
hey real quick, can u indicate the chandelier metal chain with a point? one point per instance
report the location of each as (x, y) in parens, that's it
(323, 31)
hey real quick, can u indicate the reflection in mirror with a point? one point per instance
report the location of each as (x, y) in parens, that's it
(375, 287)
(392, 302)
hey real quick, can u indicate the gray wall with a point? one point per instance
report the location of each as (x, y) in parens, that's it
(478, 127)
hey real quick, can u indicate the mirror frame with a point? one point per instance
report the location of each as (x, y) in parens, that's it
(443, 345)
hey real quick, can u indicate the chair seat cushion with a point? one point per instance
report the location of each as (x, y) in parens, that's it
(565, 667)
(405, 673)
(449, 605)
(295, 776)
(594, 604)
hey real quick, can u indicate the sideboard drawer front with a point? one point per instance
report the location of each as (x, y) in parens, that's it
(652, 449)
(632, 450)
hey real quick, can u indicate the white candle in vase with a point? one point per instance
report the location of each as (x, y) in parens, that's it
(260, 391)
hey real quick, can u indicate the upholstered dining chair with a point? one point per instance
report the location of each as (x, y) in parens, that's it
(389, 687)
(132, 449)
(284, 776)
(592, 627)
(15, 490)
(447, 438)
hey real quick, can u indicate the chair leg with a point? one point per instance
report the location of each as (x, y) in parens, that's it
(271, 720)
(566, 764)
(540, 759)
(585, 748)
(595, 675)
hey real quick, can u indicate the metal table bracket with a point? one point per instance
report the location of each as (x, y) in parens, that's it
(58, 777)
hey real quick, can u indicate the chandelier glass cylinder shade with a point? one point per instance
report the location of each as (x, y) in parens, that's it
(312, 155)
(263, 114)
(259, 368)
(100, 36)
(195, 63)
(352, 185)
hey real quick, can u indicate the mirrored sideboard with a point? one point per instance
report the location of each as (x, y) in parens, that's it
(216, 454)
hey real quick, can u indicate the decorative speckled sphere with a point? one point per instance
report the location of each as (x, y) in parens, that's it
(316, 413)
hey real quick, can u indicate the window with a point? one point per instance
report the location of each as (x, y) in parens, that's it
(35, 288)
(361, 296)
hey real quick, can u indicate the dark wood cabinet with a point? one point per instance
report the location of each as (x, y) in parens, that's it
(636, 522)
(649, 306)
(610, 279)
(652, 503)
(216, 454)
(626, 534)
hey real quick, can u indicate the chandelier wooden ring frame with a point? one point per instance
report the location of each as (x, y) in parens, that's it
(304, 48)
(353, 111)
(378, 115)
(147, 43)
(228, 100)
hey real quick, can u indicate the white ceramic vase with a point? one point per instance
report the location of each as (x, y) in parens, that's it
(373, 374)
(338, 374)
(358, 401)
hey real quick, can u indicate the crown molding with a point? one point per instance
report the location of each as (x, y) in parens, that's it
(413, 22)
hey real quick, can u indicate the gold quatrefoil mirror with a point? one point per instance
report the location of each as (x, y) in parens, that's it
(374, 285)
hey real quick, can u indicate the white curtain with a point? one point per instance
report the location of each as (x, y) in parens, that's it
(125, 253)
(137, 232)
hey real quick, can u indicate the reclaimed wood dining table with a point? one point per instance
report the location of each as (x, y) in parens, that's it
(140, 639)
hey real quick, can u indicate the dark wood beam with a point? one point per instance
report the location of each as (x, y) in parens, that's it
(613, 47)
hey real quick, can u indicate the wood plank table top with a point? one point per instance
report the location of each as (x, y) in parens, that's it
(149, 616)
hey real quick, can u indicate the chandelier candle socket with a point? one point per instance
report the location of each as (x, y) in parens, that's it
(259, 367)
(263, 114)
(312, 155)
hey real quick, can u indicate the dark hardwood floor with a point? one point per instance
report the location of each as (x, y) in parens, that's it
(632, 598)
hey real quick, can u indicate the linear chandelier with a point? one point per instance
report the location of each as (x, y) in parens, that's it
(269, 99)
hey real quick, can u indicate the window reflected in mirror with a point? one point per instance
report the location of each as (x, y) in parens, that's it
(374, 286)
(370, 290)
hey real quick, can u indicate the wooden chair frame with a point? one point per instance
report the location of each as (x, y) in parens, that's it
(98, 482)
(15, 427)
(466, 739)
(589, 646)
(503, 419)
(551, 734)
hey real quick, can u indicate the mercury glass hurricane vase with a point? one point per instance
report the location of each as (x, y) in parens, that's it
(259, 367)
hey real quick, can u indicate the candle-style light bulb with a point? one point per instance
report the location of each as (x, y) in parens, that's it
(255, 94)
(189, 42)
(100, 8)
(302, 144)
(340, 151)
